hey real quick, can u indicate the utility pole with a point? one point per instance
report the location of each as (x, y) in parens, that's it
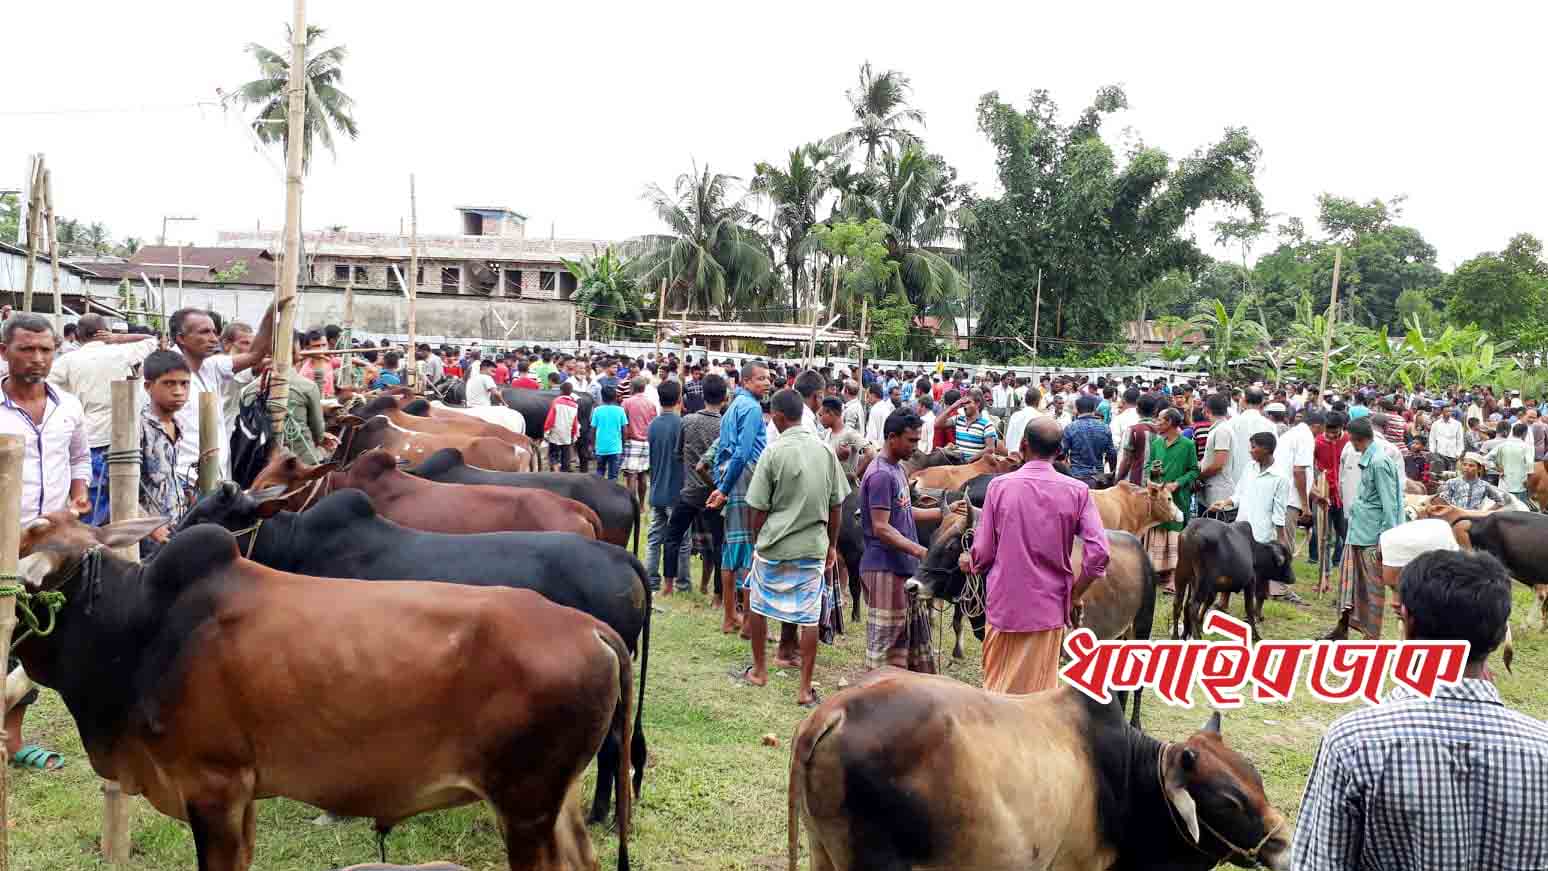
(413, 285)
(1037, 309)
(285, 297)
(166, 218)
(1327, 337)
(33, 228)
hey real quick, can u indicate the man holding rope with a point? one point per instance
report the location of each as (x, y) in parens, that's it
(194, 334)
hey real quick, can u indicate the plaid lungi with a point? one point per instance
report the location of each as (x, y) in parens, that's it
(895, 634)
(789, 591)
(1360, 592)
(1162, 547)
(737, 552)
(636, 456)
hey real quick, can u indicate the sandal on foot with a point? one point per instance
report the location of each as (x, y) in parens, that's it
(815, 700)
(35, 757)
(742, 676)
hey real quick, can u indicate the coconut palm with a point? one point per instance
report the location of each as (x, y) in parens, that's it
(327, 108)
(97, 238)
(604, 290)
(795, 188)
(909, 201)
(881, 109)
(712, 259)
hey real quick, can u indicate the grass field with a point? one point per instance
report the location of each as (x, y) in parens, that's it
(714, 795)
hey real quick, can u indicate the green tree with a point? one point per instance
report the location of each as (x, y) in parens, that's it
(712, 259)
(328, 109)
(1230, 336)
(881, 112)
(796, 188)
(1500, 293)
(604, 290)
(1098, 229)
(1414, 306)
(859, 251)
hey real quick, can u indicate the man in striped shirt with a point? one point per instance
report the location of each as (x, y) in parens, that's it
(974, 430)
(1457, 781)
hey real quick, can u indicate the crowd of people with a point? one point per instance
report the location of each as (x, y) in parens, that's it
(751, 465)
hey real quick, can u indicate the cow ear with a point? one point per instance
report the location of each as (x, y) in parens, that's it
(35, 568)
(127, 532)
(1213, 726)
(1177, 792)
(321, 469)
(350, 421)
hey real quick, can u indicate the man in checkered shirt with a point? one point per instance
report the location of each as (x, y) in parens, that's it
(1455, 783)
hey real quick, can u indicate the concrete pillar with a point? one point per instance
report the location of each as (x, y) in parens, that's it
(499, 288)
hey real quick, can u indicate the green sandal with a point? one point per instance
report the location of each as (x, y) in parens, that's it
(35, 757)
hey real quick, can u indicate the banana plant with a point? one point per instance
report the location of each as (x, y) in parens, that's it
(1230, 336)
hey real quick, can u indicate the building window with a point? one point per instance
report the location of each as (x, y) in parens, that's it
(549, 281)
(395, 273)
(341, 274)
(567, 285)
(451, 278)
(513, 282)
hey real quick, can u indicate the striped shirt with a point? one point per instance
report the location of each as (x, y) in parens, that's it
(1455, 783)
(972, 436)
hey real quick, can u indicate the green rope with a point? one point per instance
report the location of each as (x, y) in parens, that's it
(51, 601)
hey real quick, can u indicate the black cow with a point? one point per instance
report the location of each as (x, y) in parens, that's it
(615, 505)
(1519, 540)
(533, 405)
(1216, 558)
(343, 537)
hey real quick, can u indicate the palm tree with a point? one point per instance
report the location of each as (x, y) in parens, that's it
(97, 238)
(795, 189)
(881, 109)
(909, 201)
(712, 258)
(130, 245)
(604, 290)
(327, 108)
(1229, 335)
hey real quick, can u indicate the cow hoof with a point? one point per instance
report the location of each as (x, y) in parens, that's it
(433, 866)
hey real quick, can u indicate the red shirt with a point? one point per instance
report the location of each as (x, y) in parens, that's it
(938, 390)
(1326, 456)
(502, 374)
(640, 412)
(526, 381)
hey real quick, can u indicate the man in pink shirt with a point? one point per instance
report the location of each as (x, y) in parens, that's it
(636, 450)
(1031, 519)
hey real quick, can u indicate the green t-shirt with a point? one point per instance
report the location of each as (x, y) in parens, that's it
(1179, 463)
(797, 480)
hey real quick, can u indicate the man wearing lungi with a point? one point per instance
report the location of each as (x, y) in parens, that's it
(795, 496)
(742, 439)
(1378, 507)
(1179, 459)
(1030, 520)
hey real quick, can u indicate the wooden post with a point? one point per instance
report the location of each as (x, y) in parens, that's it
(413, 286)
(124, 504)
(1037, 309)
(209, 441)
(345, 377)
(164, 329)
(53, 253)
(11, 452)
(284, 308)
(179, 274)
(34, 199)
(1327, 338)
(865, 396)
(660, 314)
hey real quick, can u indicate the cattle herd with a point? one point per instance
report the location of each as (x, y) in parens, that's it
(427, 622)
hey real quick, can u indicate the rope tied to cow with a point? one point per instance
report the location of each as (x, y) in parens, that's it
(49, 601)
(1172, 813)
(122, 458)
(248, 554)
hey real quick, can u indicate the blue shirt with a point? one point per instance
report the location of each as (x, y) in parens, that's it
(1358, 411)
(608, 422)
(1089, 443)
(1105, 411)
(666, 460)
(742, 437)
(386, 379)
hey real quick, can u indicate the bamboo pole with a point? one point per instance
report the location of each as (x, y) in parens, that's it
(11, 451)
(124, 504)
(209, 442)
(660, 314)
(865, 395)
(34, 198)
(1327, 337)
(413, 285)
(345, 377)
(284, 308)
(53, 252)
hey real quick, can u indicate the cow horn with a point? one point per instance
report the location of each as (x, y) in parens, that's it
(123, 533)
(35, 568)
(1214, 723)
(1177, 795)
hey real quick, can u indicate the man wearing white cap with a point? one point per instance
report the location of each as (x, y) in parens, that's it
(1469, 490)
(1403, 544)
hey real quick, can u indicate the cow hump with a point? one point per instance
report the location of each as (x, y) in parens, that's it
(190, 556)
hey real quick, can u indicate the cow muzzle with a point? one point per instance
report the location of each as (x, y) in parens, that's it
(918, 588)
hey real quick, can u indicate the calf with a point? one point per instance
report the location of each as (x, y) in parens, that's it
(615, 505)
(205, 682)
(533, 405)
(1136, 509)
(1215, 559)
(415, 415)
(342, 536)
(426, 505)
(410, 446)
(919, 771)
(955, 477)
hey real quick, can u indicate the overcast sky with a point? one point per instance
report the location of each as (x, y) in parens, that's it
(564, 111)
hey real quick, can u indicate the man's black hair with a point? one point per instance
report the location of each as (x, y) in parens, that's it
(788, 403)
(1132, 395)
(1219, 404)
(1457, 596)
(951, 396)
(1265, 440)
(809, 383)
(669, 392)
(160, 363)
(1519, 430)
(390, 359)
(1172, 414)
(833, 404)
(310, 337)
(609, 394)
(714, 389)
(876, 389)
(900, 421)
(1336, 420)
(1254, 396)
(1360, 428)
(333, 331)
(1147, 405)
(1085, 404)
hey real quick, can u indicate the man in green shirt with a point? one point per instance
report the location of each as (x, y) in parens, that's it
(1378, 507)
(1178, 460)
(795, 494)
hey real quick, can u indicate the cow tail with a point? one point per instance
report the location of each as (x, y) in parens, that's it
(802, 746)
(639, 709)
(623, 789)
(634, 546)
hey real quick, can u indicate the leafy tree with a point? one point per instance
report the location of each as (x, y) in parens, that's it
(1230, 336)
(328, 109)
(881, 112)
(129, 246)
(604, 290)
(861, 255)
(795, 188)
(893, 327)
(712, 260)
(97, 238)
(1097, 229)
(1500, 293)
(1414, 306)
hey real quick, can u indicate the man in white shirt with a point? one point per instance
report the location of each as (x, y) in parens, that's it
(89, 374)
(881, 409)
(1446, 442)
(482, 391)
(194, 334)
(1293, 458)
(1016, 429)
(1127, 417)
(1261, 493)
(1249, 422)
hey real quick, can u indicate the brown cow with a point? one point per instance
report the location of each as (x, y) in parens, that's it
(920, 771)
(426, 505)
(1136, 509)
(410, 446)
(215, 681)
(956, 477)
(461, 424)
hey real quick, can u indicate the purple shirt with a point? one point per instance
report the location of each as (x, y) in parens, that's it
(1030, 520)
(885, 487)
